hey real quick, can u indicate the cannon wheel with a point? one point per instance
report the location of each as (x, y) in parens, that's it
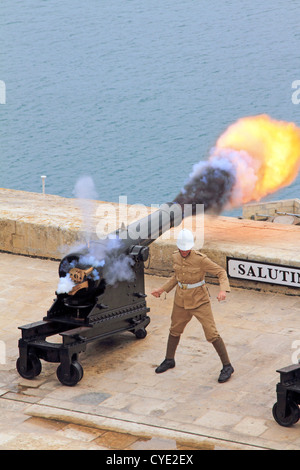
(34, 367)
(293, 414)
(75, 374)
(141, 333)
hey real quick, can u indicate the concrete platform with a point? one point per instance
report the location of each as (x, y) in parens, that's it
(121, 403)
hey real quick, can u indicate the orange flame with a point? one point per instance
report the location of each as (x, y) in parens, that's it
(274, 151)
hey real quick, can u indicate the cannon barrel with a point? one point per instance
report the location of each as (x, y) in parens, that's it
(144, 231)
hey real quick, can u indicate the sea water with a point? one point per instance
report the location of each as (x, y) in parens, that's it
(134, 92)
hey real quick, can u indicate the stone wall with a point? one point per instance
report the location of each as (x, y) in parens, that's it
(258, 210)
(50, 226)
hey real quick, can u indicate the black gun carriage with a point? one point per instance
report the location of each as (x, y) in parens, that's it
(94, 308)
(286, 410)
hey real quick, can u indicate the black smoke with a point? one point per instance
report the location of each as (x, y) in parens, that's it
(211, 186)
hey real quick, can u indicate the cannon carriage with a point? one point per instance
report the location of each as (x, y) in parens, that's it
(95, 306)
(286, 410)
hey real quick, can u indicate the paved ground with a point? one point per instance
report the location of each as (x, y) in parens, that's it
(121, 403)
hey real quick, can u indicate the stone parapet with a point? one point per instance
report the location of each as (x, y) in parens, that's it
(48, 226)
(269, 210)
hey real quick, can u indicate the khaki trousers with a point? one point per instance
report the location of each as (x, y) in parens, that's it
(181, 316)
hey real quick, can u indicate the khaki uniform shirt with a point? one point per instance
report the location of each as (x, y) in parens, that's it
(191, 270)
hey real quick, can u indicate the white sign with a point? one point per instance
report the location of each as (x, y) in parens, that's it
(263, 272)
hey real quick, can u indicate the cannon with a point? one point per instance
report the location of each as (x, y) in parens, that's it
(286, 410)
(101, 292)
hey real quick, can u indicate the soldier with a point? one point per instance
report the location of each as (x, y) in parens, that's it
(192, 299)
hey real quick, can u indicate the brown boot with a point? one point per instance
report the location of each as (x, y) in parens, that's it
(220, 347)
(169, 362)
(227, 370)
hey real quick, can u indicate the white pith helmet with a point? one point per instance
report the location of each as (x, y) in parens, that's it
(185, 240)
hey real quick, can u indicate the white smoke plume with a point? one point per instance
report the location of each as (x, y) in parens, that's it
(90, 260)
(85, 192)
(105, 256)
(120, 269)
(65, 285)
(108, 254)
